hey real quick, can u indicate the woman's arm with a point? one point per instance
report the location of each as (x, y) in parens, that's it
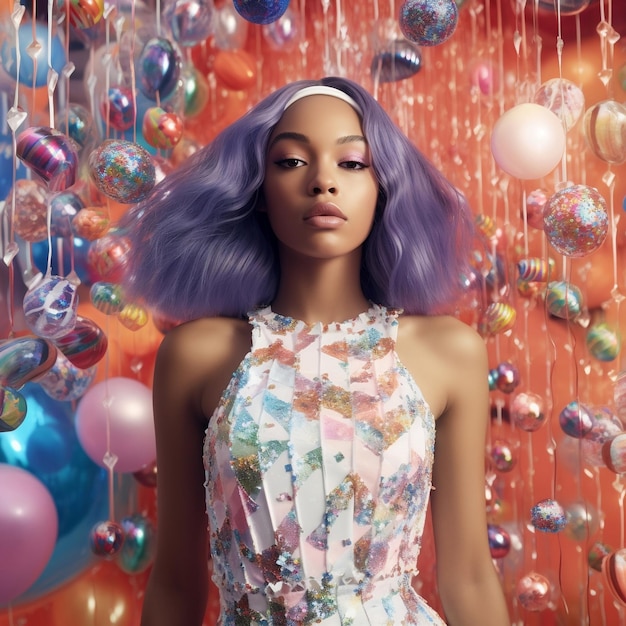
(193, 366)
(469, 587)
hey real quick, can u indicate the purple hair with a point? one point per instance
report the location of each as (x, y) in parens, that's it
(199, 247)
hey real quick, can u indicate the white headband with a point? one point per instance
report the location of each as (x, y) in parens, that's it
(324, 90)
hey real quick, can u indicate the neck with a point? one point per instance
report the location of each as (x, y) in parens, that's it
(321, 290)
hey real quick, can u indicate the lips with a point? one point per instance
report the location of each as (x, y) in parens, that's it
(325, 209)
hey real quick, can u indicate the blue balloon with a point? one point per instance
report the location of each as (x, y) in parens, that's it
(46, 445)
(39, 255)
(8, 55)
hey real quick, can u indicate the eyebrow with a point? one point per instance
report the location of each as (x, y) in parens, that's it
(304, 139)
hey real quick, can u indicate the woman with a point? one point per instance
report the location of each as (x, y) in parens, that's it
(317, 216)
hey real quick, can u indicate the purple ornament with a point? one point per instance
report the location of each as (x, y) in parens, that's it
(501, 456)
(576, 221)
(50, 307)
(106, 538)
(118, 108)
(548, 516)
(499, 541)
(260, 11)
(191, 21)
(158, 68)
(428, 22)
(507, 378)
(399, 60)
(576, 420)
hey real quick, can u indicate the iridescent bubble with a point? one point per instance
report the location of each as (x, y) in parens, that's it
(77, 122)
(190, 21)
(576, 220)
(282, 34)
(564, 98)
(231, 30)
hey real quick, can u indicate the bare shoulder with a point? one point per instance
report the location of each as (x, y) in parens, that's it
(443, 354)
(200, 357)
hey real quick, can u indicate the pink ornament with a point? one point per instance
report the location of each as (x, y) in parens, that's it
(527, 411)
(499, 541)
(31, 210)
(533, 591)
(85, 344)
(614, 453)
(501, 456)
(535, 204)
(528, 141)
(29, 523)
(124, 407)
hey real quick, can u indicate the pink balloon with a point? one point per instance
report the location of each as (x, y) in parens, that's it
(28, 530)
(528, 141)
(125, 406)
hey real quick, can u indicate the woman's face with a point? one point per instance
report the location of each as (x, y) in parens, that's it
(320, 190)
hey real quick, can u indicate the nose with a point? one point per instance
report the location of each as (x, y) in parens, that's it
(322, 181)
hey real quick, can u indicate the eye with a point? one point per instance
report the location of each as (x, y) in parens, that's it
(290, 162)
(353, 165)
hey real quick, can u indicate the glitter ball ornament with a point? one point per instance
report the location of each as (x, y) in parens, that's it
(548, 516)
(499, 541)
(260, 11)
(576, 221)
(122, 170)
(563, 300)
(106, 538)
(603, 342)
(576, 420)
(527, 411)
(428, 22)
(501, 456)
(533, 592)
(50, 307)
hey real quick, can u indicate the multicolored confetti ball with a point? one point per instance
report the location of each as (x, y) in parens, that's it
(576, 221)
(548, 516)
(563, 299)
(603, 342)
(428, 22)
(499, 541)
(122, 170)
(533, 591)
(576, 420)
(527, 411)
(106, 538)
(261, 11)
(50, 307)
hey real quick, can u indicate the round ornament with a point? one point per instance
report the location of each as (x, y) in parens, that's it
(64, 206)
(597, 554)
(190, 21)
(84, 345)
(158, 68)
(118, 108)
(499, 541)
(12, 409)
(400, 59)
(576, 221)
(533, 591)
(501, 456)
(162, 129)
(535, 204)
(614, 570)
(50, 307)
(527, 411)
(576, 420)
(507, 377)
(498, 318)
(83, 13)
(564, 98)
(603, 342)
(137, 552)
(50, 154)
(261, 11)
(122, 170)
(563, 300)
(91, 223)
(528, 141)
(107, 297)
(614, 453)
(106, 538)
(605, 130)
(23, 359)
(30, 220)
(428, 22)
(548, 516)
